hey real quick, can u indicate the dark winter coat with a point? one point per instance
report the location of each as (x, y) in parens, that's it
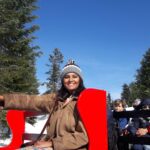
(112, 132)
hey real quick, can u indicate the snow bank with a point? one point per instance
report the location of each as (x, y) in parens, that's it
(38, 126)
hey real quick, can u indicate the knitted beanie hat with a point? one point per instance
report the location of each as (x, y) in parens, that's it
(71, 67)
(136, 102)
(145, 102)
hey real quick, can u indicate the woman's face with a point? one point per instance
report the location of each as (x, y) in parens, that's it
(71, 81)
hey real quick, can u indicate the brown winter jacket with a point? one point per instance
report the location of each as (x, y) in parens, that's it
(65, 128)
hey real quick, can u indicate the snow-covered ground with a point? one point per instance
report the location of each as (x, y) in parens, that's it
(38, 126)
(4, 142)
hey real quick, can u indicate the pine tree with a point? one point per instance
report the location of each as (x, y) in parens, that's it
(143, 77)
(133, 91)
(17, 54)
(55, 60)
(125, 95)
(109, 100)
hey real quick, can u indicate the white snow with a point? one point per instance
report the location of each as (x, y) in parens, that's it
(38, 126)
(129, 108)
(5, 142)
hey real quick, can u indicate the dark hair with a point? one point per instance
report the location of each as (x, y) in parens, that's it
(119, 101)
(63, 93)
(144, 102)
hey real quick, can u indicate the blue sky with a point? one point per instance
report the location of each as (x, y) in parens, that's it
(106, 38)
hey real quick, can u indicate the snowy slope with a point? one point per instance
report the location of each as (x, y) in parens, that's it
(38, 126)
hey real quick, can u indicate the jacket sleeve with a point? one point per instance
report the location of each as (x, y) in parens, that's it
(72, 141)
(29, 102)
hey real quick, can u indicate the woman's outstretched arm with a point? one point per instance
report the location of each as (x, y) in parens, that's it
(28, 102)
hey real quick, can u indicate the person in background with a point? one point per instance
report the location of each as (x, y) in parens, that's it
(136, 104)
(141, 126)
(136, 107)
(121, 123)
(119, 106)
(65, 130)
(112, 133)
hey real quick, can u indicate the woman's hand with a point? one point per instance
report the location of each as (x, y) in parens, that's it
(1, 102)
(42, 144)
(1, 98)
(1, 108)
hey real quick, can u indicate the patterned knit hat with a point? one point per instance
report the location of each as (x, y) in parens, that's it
(71, 67)
(145, 102)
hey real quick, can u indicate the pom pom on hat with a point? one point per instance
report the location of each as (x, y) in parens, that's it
(69, 68)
